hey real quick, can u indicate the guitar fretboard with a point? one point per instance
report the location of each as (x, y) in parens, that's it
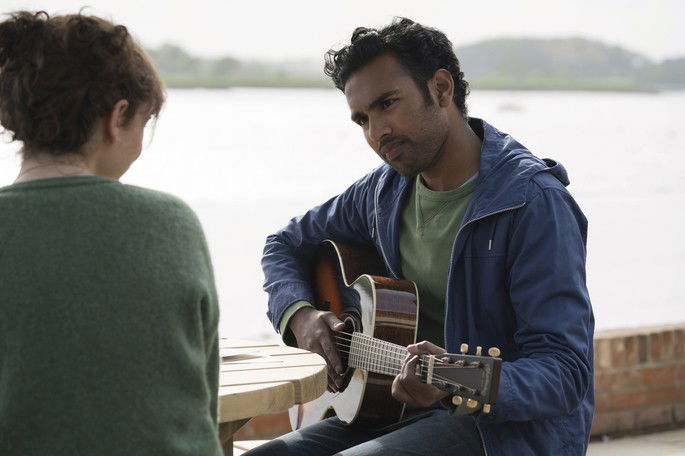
(375, 355)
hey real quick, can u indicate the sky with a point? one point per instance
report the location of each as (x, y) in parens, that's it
(294, 29)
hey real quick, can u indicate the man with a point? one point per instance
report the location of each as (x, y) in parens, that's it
(488, 232)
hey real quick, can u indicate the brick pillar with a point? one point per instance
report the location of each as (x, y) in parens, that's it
(639, 379)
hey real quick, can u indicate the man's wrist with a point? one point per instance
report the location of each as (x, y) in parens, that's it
(284, 328)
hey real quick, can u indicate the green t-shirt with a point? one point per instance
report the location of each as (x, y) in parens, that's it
(108, 322)
(429, 224)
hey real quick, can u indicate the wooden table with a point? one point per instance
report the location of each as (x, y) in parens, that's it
(258, 378)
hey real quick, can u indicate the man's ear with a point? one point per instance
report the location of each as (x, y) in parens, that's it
(444, 87)
(116, 120)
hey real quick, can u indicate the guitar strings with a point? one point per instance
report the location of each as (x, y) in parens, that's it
(390, 354)
(367, 341)
(393, 369)
(372, 340)
(398, 351)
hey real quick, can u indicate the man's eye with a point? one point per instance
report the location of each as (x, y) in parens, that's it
(387, 102)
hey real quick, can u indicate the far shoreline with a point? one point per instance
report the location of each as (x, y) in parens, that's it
(325, 85)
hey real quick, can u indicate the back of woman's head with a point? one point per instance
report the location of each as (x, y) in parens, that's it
(59, 75)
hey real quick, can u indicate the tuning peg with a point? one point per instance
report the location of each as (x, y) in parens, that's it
(486, 408)
(479, 350)
(464, 348)
(471, 403)
(457, 400)
(494, 352)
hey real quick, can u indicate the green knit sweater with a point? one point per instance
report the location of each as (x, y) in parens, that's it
(108, 322)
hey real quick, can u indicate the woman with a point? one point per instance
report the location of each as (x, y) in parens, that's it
(108, 310)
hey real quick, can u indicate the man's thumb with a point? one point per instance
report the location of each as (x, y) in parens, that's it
(333, 322)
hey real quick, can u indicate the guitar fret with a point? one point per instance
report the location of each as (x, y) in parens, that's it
(375, 355)
(382, 357)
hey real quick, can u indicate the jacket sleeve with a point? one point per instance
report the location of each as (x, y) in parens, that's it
(288, 252)
(554, 317)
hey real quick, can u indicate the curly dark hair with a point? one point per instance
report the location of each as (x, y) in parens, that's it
(59, 75)
(421, 51)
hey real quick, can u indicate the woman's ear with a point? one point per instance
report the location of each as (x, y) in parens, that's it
(444, 87)
(116, 120)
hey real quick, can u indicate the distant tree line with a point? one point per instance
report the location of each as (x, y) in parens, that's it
(566, 64)
(180, 69)
(531, 64)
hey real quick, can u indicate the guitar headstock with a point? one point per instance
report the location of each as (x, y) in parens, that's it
(471, 377)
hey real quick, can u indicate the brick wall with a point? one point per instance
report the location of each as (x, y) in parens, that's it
(639, 379)
(639, 384)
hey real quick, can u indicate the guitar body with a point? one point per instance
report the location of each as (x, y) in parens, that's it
(349, 282)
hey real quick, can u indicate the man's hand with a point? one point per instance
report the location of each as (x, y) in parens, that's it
(408, 387)
(313, 330)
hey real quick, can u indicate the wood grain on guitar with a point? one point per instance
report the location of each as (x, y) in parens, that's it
(381, 317)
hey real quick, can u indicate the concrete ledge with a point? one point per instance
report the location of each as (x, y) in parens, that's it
(669, 443)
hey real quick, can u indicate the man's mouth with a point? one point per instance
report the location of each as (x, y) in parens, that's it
(392, 150)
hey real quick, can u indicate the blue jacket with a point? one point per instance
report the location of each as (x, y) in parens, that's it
(516, 281)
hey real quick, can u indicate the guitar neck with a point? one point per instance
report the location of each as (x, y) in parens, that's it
(473, 377)
(375, 355)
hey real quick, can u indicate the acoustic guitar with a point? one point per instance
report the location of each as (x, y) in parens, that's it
(381, 318)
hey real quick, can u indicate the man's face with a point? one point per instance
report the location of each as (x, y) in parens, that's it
(392, 111)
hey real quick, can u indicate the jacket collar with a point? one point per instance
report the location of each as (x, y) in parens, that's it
(506, 168)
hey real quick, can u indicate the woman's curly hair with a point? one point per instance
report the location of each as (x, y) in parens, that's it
(420, 50)
(59, 75)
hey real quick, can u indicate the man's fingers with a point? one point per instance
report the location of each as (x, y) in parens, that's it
(332, 385)
(407, 387)
(334, 380)
(332, 321)
(408, 371)
(313, 332)
(331, 354)
(425, 348)
(398, 391)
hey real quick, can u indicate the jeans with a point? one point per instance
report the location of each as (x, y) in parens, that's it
(431, 434)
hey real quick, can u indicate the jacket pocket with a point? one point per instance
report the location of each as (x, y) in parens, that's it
(488, 238)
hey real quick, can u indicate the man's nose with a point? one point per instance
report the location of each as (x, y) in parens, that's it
(378, 129)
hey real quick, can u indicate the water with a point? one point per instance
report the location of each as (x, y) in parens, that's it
(247, 160)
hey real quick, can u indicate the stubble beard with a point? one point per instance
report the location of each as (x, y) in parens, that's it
(424, 152)
(423, 155)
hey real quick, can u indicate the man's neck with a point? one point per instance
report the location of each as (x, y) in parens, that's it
(458, 161)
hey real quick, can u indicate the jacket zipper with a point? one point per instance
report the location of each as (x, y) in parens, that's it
(447, 294)
(378, 231)
(449, 269)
